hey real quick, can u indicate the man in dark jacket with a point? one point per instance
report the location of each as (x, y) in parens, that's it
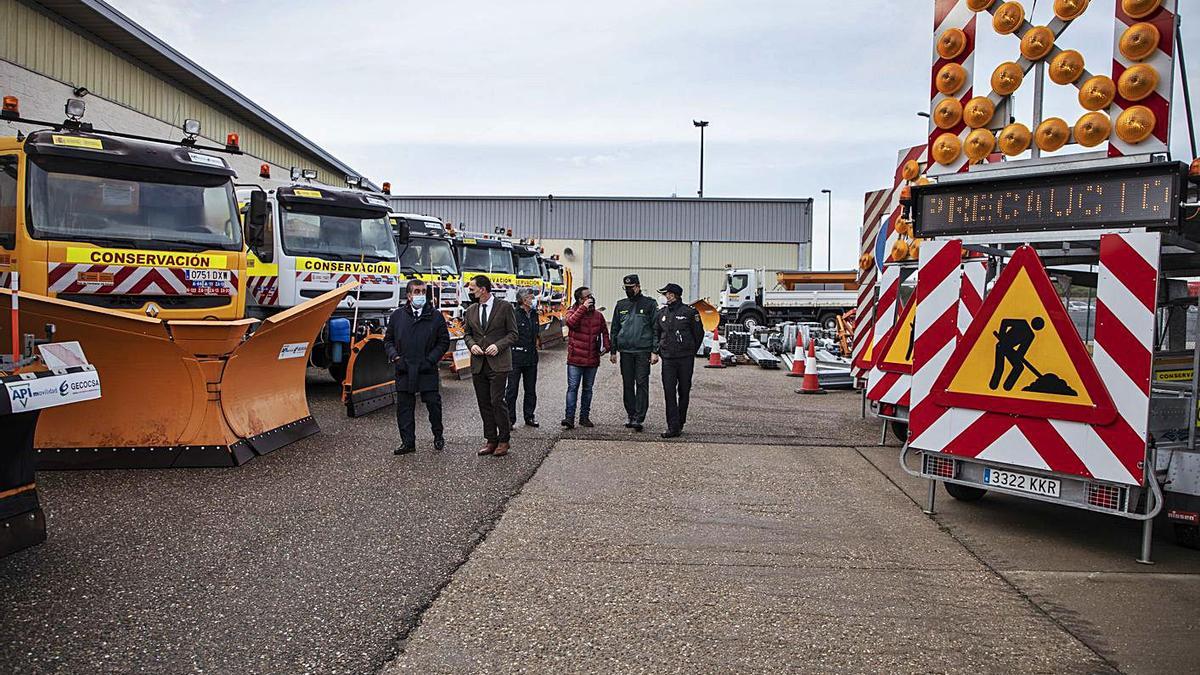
(524, 360)
(633, 337)
(415, 340)
(678, 333)
(490, 329)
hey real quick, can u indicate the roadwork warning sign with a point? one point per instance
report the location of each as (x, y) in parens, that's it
(1022, 354)
(896, 350)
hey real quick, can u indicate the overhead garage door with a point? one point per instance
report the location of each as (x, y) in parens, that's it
(655, 263)
(715, 255)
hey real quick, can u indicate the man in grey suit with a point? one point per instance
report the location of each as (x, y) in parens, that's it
(490, 332)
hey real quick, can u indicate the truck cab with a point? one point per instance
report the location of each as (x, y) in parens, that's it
(795, 295)
(428, 254)
(134, 225)
(491, 256)
(527, 266)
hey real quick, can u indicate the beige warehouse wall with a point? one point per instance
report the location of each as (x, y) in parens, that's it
(655, 263)
(36, 43)
(608, 288)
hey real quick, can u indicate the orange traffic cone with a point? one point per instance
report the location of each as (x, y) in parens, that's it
(714, 355)
(797, 360)
(811, 384)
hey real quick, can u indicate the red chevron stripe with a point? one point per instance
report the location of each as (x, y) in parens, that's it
(1162, 19)
(883, 386)
(1125, 349)
(1126, 444)
(1052, 447)
(979, 435)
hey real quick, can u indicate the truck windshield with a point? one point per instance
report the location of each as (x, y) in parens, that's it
(428, 256)
(132, 206)
(736, 283)
(342, 235)
(556, 275)
(527, 266)
(487, 259)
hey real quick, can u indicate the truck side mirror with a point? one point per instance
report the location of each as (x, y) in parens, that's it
(256, 219)
(402, 234)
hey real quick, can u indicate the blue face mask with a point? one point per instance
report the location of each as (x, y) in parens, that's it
(417, 302)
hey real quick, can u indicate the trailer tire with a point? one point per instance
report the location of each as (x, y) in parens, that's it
(964, 493)
(752, 319)
(1187, 536)
(338, 372)
(900, 431)
(828, 320)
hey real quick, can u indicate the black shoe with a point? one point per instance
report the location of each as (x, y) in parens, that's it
(636, 426)
(670, 433)
(439, 444)
(585, 422)
(532, 423)
(567, 424)
(404, 450)
(629, 424)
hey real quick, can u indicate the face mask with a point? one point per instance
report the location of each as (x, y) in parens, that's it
(418, 302)
(629, 293)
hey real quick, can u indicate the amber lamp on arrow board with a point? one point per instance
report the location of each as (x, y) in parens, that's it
(950, 78)
(1139, 41)
(1138, 9)
(1135, 124)
(1097, 92)
(1052, 134)
(1137, 82)
(1069, 9)
(947, 113)
(951, 43)
(903, 226)
(1066, 67)
(1092, 129)
(946, 149)
(914, 247)
(1037, 43)
(978, 112)
(1015, 139)
(979, 5)
(1008, 18)
(900, 250)
(980, 143)
(1006, 78)
(911, 170)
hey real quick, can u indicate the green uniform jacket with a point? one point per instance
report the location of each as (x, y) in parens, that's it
(633, 325)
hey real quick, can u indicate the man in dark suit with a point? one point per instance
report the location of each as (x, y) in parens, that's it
(490, 330)
(415, 340)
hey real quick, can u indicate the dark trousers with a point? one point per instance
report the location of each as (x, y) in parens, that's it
(677, 386)
(635, 374)
(493, 409)
(528, 376)
(406, 407)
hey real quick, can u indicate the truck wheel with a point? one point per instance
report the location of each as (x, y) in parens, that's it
(1187, 536)
(828, 321)
(900, 431)
(965, 493)
(338, 371)
(752, 320)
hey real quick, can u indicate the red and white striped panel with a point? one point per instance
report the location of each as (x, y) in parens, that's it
(1126, 294)
(5, 279)
(874, 207)
(64, 278)
(949, 14)
(264, 290)
(950, 292)
(1163, 61)
(365, 279)
(882, 386)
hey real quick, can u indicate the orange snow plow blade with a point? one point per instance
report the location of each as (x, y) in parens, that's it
(370, 378)
(177, 393)
(709, 316)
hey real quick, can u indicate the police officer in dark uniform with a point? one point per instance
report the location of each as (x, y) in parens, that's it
(633, 339)
(525, 360)
(678, 334)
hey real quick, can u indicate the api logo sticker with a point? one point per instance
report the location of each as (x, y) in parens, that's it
(293, 350)
(52, 391)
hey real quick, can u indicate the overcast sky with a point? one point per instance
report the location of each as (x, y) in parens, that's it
(523, 97)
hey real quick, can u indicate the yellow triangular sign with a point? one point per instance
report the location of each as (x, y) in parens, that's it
(1022, 354)
(897, 347)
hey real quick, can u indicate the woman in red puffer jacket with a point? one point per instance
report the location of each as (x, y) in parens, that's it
(587, 340)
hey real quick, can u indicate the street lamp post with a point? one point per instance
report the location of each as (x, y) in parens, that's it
(700, 124)
(829, 232)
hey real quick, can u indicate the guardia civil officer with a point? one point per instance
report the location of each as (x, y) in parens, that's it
(633, 341)
(678, 334)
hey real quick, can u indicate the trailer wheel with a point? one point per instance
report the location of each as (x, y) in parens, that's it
(752, 320)
(965, 493)
(900, 431)
(338, 372)
(828, 321)
(1187, 536)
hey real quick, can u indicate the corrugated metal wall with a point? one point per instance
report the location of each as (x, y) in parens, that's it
(36, 42)
(644, 219)
(656, 265)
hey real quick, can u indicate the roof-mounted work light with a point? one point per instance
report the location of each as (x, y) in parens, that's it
(353, 181)
(308, 174)
(191, 128)
(75, 109)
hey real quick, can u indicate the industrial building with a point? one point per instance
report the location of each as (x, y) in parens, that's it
(131, 81)
(663, 239)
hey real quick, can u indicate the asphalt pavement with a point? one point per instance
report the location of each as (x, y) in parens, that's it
(773, 536)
